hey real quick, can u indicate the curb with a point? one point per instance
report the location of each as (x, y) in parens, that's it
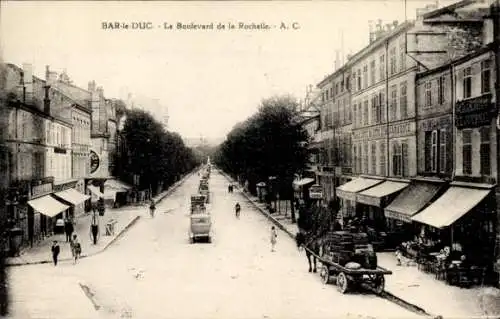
(266, 214)
(409, 306)
(40, 262)
(120, 234)
(174, 186)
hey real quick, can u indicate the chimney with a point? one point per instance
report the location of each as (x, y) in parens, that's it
(395, 24)
(100, 91)
(46, 100)
(28, 83)
(371, 28)
(91, 86)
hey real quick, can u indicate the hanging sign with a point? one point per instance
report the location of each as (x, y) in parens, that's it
(94, 162)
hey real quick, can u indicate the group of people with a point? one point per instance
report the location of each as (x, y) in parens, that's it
(76, 249)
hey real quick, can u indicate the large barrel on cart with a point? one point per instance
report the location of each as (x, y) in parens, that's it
(350, 259)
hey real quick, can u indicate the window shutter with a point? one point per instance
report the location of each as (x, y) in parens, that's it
(459, 79)
(421, 95)
(476, 79)
(446, 88)
(404, 153)
(434, 92)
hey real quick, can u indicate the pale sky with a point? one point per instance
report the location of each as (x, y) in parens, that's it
(207, 80)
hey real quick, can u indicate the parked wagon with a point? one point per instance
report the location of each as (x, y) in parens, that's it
(349, 257)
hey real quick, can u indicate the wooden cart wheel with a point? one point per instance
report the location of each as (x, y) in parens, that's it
(379, 284)
(342, 283)
(324, 273)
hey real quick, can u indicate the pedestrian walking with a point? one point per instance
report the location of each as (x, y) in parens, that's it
(76, 248)
(68, 229)
(152, 207)
(94, 228)
(237, 209)
(274, 236)
(55, 251)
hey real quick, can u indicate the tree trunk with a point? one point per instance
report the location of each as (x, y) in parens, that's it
(292, 211)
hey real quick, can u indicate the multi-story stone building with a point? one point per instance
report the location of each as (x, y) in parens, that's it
(383, 123)
(39, 144)
(337, 135)
(77, 110)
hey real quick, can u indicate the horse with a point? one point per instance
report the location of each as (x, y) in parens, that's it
(309, 246)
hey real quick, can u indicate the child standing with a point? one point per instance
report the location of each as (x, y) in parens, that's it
(274, 235)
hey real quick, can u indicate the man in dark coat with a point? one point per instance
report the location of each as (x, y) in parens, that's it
(68, 229)
(55, 252)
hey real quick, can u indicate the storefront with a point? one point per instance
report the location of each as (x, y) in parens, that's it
(347, 194)
(74, 199)
(301, 189)
(118, 191)
(409, 202)
(372, 201)
(43, 215)
(464, 220)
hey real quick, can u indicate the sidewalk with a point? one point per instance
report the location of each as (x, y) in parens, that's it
(414, 286)
(125, 218)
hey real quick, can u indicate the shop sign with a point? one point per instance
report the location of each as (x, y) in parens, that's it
(474, 112)
(368, 200)
(401, 129)
(397, 216)
(346, 195)
(42, 189)
(94, 162)
(316, 192)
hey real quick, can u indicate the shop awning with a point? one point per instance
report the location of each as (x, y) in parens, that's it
(72, 196)
(95, 191)
(349, 189)
(453, 204)
(303, 181)
(411, 200)
(47, 205)
(116, 184)
(375, 195)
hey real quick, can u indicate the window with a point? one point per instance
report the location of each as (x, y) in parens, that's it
(326, 94)
(382, 158)
(376, 109)
(354, 114)
(485, 77)
(359, 159)
(348, 111)
(403, 101)
(402, 55)
(359, 79)
(382, 67)
(441, 93)
(442, 151)
(434, 151)
(428, 94)
(372, 72)
(365, 113)
(374, 158)
(336, 89)
(484, 151)
(397, 158)
(382, 107)
(365, 158)
(365, 76)
(467, 152)
(404, 159)
(427, 151)
(467, 83)
(393, 65)
(394, 102)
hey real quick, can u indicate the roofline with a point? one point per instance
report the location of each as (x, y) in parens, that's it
(342, 69)
(377, 43)
(451, 7)
(459, 60)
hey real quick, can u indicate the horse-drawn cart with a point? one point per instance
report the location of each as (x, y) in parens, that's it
(348, 279)
(349, 258)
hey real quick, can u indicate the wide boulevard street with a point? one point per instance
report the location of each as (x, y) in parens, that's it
(154, 272)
